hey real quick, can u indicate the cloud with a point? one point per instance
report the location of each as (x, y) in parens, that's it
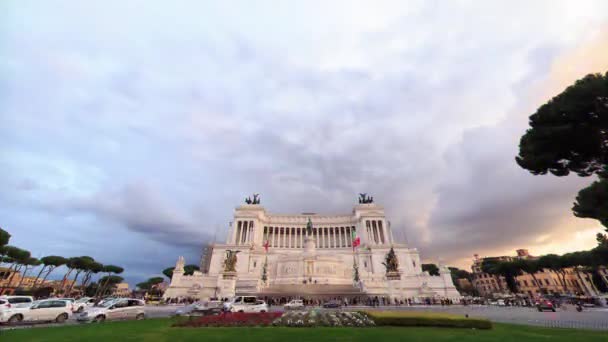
(151, 122)
(143, 210)
(488, 204)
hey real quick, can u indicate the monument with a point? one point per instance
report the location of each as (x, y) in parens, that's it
(312, 256)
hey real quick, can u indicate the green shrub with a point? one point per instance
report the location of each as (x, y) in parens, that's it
(425, 319)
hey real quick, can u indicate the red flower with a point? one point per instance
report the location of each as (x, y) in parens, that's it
(232, 319)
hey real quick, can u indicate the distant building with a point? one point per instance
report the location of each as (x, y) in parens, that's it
(573, 280)
(10, 280)
(121, 290)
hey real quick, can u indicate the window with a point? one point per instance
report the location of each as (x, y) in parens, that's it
(18, 300)
(58, 304)
(45, 304)
(365, 264)
(121, 304)
(250, 300)
(547, 282)
(254, 264)
(525, 282)
(133, 302)
(238, 300)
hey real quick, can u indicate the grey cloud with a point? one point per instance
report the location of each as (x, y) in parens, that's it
(141, 209)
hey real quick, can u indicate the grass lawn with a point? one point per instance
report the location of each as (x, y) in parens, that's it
(161, 330)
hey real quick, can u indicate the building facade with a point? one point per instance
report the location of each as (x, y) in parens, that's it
(310, 255)
(569, 281)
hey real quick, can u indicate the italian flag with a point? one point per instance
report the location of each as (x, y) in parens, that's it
(356, 240)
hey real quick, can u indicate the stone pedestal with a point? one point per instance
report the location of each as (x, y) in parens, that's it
(309, 245)
(227, 285)
(229, 275)
(393, 275)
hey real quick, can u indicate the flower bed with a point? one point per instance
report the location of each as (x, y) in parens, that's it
(240, 319)
(315, 318)
(426, 319)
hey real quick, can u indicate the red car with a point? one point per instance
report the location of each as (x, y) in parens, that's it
(545, 305)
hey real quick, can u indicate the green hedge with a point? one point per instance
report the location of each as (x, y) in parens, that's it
(425, 319)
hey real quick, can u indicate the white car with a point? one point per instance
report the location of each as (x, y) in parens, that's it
(83, 303)
(119, 309)
(294, 305)
(246, 304)
(7, 302)
(44, 310)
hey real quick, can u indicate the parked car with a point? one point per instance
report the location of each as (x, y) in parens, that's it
(119, 309)
(246, 304)
(81, 304)
(7, 302)
(294, 305)
(545, 305)
(201, 309)
(44, 310)
(332, 304)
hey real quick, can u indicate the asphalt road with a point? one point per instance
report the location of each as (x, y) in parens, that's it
(596, 318)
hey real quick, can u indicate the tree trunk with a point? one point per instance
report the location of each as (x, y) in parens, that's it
(65, 277)
(23, 276)
(562, 273)
(38, 277)
(50, 270)
(86, 279)
(16, 270)
(74, 283)
(99, 291)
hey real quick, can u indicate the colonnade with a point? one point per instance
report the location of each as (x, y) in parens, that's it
(293, 237)
(325, 237)
(376, 232)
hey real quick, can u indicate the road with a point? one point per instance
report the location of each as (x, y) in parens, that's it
(596, 318)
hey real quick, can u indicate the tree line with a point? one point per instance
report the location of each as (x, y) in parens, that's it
(20, 261)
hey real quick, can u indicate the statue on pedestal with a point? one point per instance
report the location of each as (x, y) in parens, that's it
(230, 262)
(309, 227)
(392, 265)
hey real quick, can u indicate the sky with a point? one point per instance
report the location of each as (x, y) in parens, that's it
(131, 130)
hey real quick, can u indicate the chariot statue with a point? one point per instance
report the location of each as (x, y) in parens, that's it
(230, 262)
(255, 200)
(364, 199)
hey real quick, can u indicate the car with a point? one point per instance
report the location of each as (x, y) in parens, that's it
(332, 304)
(106, 300)
(7, 302)
(200, 309)
(81, 304)
(118, 309)
(246, 304)
(294, 305)
(545, 305)
(40, 311)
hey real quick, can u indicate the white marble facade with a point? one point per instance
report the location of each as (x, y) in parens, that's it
(307, 265)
